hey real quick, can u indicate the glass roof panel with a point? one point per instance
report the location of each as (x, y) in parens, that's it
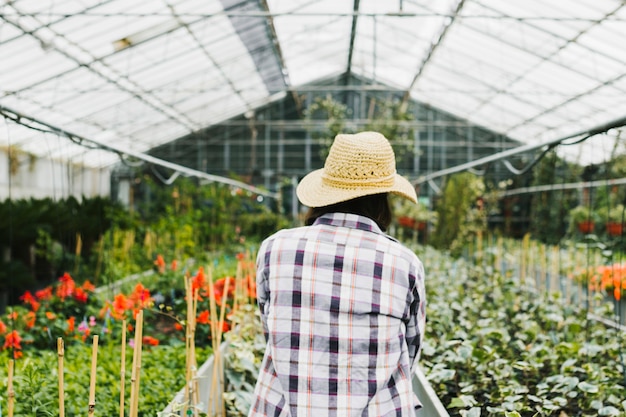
(141, 73)
(315, 29)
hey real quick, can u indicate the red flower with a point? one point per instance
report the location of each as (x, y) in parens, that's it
(80, 295)
(225, 326)
(3, 327)
(174, 265)
(160, 263)
(120, 305)
(17, 354)
(66, 286)
(28, 298)
(13, 340)
(178, 326)
(240, 256)
(44, 294)
(203, 318)
(148, 340)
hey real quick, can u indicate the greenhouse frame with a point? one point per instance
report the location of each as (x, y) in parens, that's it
(148, 147)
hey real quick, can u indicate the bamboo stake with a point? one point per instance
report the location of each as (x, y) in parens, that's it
(92, 382)
(123, 369)
(191, 388)
(61, 353)
(214, 394)
(11, 393)
(136, 371)
(218, 359)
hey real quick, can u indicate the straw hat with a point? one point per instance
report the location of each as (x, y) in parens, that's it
(357, 165)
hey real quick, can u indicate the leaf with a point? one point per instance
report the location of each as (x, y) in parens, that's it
(596, 404)
(587, 387)
(463, 401)
(608, 411)
(512, 414)
(473, 412)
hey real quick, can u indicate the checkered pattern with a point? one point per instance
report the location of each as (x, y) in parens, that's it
(343, 309)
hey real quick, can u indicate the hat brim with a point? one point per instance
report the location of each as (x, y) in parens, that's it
(313, 192)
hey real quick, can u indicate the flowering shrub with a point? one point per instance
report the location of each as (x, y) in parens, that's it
(61, 310)
(72, 311)
(609, 279)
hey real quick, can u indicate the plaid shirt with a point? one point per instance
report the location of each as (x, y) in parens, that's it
(343, 310)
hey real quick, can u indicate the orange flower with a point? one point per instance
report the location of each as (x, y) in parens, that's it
(66, 286)
(71, 324)
(174, 265)
(141, 296)
(198, 282)
(219, 287)
(178, 326)
(12, 315)
(148, 340)
(50, 315)
(88, 286)
(13, 340)
(17, 354)
(120, 304)
(203, 318)
(3, 327)
(160, 263)
(30, 319)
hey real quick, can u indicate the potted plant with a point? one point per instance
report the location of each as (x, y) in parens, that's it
(583, 219)
(613, 219)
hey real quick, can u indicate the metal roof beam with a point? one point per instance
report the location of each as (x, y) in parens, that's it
(585, 134)
(433, 47)
(95, 144)
(355, 18)
(104, 71)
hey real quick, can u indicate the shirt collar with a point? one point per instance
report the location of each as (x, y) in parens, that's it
(352, 221)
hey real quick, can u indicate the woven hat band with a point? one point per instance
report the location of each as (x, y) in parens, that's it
(351, 183)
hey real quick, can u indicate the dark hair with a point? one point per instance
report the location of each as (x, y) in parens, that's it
(375, 206)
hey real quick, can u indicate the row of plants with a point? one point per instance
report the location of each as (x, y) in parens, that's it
(104, 241)
(492, 348)
(29, 333)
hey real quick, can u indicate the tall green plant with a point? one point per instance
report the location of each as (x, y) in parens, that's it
(460, 218)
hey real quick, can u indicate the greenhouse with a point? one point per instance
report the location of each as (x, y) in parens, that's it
(153, 154)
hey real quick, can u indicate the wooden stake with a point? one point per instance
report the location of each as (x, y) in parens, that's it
(136, 371)
(92, 383)
(123, 369)
(61, 353)
(11, 393)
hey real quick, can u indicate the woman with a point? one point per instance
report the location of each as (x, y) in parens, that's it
(342, 303)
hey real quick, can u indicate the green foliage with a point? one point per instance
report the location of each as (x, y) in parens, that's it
(460, 217)
(332, 115)
(326, 117)
(548, 209)
(494, 349)
(36, 380)
(246, 347)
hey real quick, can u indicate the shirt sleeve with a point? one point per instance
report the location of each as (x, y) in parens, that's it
(262, 286)
(417, 314)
